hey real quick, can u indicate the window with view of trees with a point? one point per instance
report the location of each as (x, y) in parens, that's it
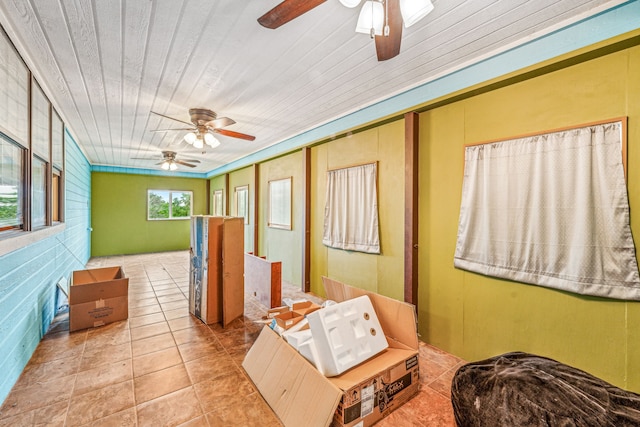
(11, 183)
(166, 204)
(32, 145)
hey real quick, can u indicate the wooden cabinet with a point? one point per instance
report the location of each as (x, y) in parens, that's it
(216, 275)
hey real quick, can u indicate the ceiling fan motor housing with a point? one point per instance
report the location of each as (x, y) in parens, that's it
(200, 116)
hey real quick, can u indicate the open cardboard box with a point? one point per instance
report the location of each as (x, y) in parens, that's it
(97, 297)
(361, 396)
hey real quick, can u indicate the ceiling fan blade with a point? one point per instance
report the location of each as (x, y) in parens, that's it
(190, 160)
(287, 11)
(220, 122)
(183, 163)
(233, 134)
(172, 118)
(159, 163)
(389, 46)
(166, 130)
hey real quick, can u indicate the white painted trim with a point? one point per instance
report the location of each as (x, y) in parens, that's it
(13, 241)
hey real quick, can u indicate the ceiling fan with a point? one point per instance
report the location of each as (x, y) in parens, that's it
(381, 19)
(170, 162)
(205, 123)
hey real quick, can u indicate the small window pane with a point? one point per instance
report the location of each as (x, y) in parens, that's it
(11, 185)
(180, 205)
(14, 92)
(57, 140)
(218, 206)
(165, 204)
(40, 123)
(39, 195)
(55, 197)
(242, 203)
(158, 204)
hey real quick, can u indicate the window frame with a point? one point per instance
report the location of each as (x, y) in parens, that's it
(280, 191)
(242, 191)
(171, 192)
(218, 203)
(12, 239)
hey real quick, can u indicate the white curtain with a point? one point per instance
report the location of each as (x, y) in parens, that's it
(351, 209)
(550, 210)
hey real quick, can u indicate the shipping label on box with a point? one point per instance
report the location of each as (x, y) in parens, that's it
(376, 397)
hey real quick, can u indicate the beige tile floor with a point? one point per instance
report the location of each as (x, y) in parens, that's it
(163, 367)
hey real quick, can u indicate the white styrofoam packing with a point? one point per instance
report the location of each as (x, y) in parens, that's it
(345, 335)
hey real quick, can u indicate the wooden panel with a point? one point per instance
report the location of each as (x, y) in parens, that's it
(306, 220)
(214, 274)
(232, 270)
(263, 279)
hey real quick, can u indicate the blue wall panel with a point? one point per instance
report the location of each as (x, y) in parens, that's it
(28, 276)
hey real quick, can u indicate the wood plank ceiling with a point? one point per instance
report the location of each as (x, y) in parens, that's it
(107, 63)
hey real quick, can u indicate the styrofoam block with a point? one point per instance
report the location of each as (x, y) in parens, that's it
(303, 342)
(346, 334)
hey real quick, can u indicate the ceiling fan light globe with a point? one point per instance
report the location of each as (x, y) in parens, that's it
(198, 143)
(414, 10)
(173, 166)
(371, 17)
(165, 166)
(211, 140)
(190, 138)
(350, 3)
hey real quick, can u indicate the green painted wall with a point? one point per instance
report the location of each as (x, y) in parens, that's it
(382, 273)
(239, 178)
(474, 316)
(119, 214)
(278, 244)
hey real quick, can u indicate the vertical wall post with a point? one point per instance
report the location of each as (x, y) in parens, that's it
(306, 220)
(411, 143)
(227, 196)
(208, 201)
(256, 208)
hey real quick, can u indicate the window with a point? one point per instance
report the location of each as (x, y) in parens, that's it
(40, 134)
(242, 202)
(166, 204)
(351, 209)
(14, 93)
(39, 193)
(57, 140)
(551, 210)
(31, 152)
(218, 203)
(11, 186)
(56, 197)
(280, 203)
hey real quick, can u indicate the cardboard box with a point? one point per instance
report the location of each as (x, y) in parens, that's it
(216, 272)
(305, 307)
(97, 297)
(288, 319)
(361, 396)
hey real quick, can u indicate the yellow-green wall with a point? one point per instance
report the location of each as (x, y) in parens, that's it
(278, 244)
(238, 179)
(474, 316)
(382, 273)
(119, 214)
